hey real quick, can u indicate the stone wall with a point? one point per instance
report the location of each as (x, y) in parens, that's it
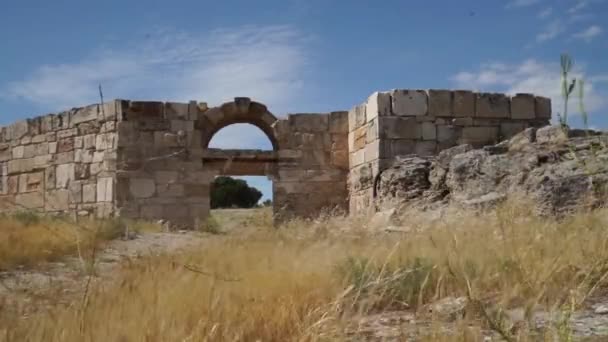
(63, 163)
(150, 160)
(402, 122)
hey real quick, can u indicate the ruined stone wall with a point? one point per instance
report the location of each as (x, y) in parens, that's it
(312, 177)
(60, 163)
(402, 122)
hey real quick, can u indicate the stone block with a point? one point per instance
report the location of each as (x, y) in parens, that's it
(468, 121)
(509, 129)
(107, 127)
(18, 152)
(75, 190)
(17, 130)
(105, 189)
(357, 158)
(64, 157)
(197, 190)
(142, 187)
(463, 103)
(144, 110)
(447, 134)
(339, 159)
(477, 136)
(21, 165)
(53, 147)
(374, 150)
(399, 128)
(151, 211)
(492, 105)
(57, 200)
(373, 131)
(6, 152)
(338, 122)
(67, 133)
(29, 182)
(356, 117)
(543, 107)
(429, 131)
(65, 145)
(378, 104)
(359, 138)
(89, 193)
(64, 174)
(399, 147)
(175, 110)
(89, 141)
(105, 141)
(309, 122)
(84, 114)
(36, 139)
(170, 190)
(182, 125)
(522, 106)
(409, 102)
(440, 103)
(50, 176)
(30, 200)
(425, 148)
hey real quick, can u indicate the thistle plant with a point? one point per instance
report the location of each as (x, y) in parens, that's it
(566, 65)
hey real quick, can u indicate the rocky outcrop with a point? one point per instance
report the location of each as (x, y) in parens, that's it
(559, 170)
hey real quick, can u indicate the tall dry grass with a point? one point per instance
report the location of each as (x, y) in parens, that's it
(28, 239)
(304, 283)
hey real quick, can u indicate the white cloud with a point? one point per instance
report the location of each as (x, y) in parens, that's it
(545, 13)
(532, 76)
(264, 63)
(521, 3)
(589, 33)
(580, 5)
(551, 31)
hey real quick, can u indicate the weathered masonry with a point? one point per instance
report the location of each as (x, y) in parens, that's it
(151, 160)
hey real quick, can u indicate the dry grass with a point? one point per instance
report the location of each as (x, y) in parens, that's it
(29, 240)
(303, 283)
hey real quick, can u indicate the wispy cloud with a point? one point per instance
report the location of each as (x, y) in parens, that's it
(578, 6)
(521, 3)
(531, 76)
(264, 63)
(545, 13)
(588, 34)
(551, 31)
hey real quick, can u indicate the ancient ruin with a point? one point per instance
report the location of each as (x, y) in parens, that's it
(150, 160)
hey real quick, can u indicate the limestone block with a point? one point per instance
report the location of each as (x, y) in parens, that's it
(543, 107)
(351, 141)
(53, 147)
(399, 128)
(51, 136)
(309, 122)
(176, 212)
(88, 113)
(491, 105)
(360, 136)
(34, 150)
(166, 177)
(509, 129)
(447, 134)
(89, 141)
(31, 182)
(356, 117)
(18, 152)
(81, 171)
(105, 189)
(425, 148)
(373, 131)
(105, 141)
(338, 122)
(12, 184)
(36, 139)
(440, 103)
(463, 103)
(91, 127)
(78, 142)
(174, 110)
(357, 158)
(166, 139)
(373, 150)
(479, 135)
(409, 102)
(142, 187)
(378, 104)
(89, 193)
(429, 131)
(75, 190)
(182, 125)
(6, 152)
(339, 159)
(57, 200)
(170, 190)
(49, 123)
(30, 200)
(468, 121)
(197, 190)
(63, 158)
(107, 127)
(487, 122)
(65, 145)
(104, 210)
(21, 165)
(67, 133)
(17, 130)
(4, 179)
(50, 176)
(64, 174)
(26, 140)
(522, 106)
(339, 142)
(399, 147)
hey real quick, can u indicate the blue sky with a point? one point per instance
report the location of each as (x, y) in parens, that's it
(293, 55)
